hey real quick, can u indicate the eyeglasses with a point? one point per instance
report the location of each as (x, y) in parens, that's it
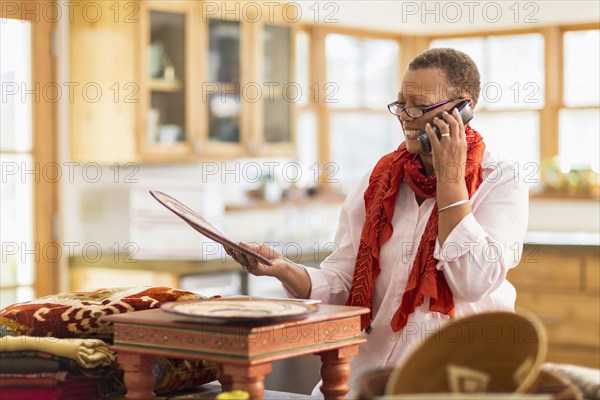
(416, 111)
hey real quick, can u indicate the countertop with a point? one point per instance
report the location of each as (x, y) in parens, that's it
(565, 241)
(569, 241)
(303, 253)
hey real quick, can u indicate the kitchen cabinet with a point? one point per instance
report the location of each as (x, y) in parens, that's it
(166, 127)
(560, 283)
(246, 98)
(178, 84)
(103, 76)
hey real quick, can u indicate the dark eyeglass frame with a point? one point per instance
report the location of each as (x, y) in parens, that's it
(423, 109)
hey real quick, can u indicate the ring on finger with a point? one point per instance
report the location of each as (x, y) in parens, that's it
(445, 134)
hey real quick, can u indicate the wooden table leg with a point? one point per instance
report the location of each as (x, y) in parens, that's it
(225, 380)
(248, 377)
(335, 371)
(138, 377)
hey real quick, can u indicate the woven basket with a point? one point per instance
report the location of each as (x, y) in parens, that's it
(496, 352)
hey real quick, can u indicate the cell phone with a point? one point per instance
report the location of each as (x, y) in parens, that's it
(466, 113)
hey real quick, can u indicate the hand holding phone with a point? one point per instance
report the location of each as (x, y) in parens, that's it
(466, 114)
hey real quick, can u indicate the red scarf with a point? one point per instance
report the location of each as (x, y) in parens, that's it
(380, 197)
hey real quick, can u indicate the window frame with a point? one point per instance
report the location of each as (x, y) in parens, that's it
(553, 80)
(318, 75)
(412, 45)
(561, 103)
(530, 171)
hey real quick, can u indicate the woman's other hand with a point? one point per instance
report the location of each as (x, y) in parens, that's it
(292, 275)
(278, 262)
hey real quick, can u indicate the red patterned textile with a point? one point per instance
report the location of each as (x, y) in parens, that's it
(79, 314)
(75, 390)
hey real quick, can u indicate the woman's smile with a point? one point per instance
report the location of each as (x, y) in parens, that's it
(412, 134)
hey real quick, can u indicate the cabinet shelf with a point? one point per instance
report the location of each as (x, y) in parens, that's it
(163, 85)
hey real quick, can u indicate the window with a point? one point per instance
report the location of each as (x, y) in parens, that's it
(358, 141)
(362, 75)
(539, 90)
(17, 269)
(579, 119)
(30, 253)
(511, 97)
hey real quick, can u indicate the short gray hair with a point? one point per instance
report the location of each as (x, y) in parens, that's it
(461, 72)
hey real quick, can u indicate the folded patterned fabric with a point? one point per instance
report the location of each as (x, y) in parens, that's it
(58, 386)
(88, 353)
(40, 379)
(27, 362)
(586, 379)
(28, 365)
(79, 315)
(170, 375)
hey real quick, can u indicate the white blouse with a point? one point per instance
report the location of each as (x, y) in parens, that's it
(474, 259)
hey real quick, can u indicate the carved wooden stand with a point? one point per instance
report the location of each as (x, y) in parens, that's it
(245, 353)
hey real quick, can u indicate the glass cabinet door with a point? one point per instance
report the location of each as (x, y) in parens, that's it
(166, 117)
(224, 101)
(279, 92)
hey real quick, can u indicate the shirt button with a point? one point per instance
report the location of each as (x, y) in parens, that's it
(399, 299)
(404, 259)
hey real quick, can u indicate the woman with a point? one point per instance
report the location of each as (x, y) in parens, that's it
(424, 237)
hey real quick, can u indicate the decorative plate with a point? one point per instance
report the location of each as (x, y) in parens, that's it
(203, 226)
(248, 310)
